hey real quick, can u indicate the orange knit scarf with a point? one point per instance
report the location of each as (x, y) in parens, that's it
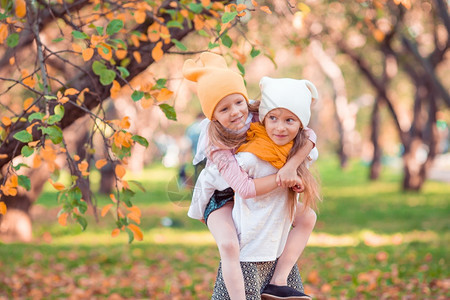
(264, 148)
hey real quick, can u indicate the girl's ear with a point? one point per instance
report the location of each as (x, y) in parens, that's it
(312, 88)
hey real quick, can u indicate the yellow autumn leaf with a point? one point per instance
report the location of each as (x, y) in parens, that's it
(57, 185)
(137, 57)
(28, 79)
(120, 171)
(6, 121)
(164, 95)
(83, 166)
(12, 60)
(21, 8)
(71, 92)
(139, 16)
(157, 52)
(62, 219)
(37, 161)
(266, 9)
(136, 210)
(146, 103)
(206, 3)
(3, 208)
(113, 198)
(198, 23)
(87, 54)
(134, 217)
(135, 41)
(3, 33)
(115, 232)
(77, 48)
(105, 209)
(115, 89)
(136, 231)
(254, 3)
(101, 163)
(27, 103)
(3, 156)
(121, 53)
(76, 157)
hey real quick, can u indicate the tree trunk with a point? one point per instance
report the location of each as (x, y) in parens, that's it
(345, 119)
(16, 224)
(421, 152)
(375, 165)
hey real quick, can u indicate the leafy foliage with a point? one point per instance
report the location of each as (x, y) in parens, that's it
(99, 47)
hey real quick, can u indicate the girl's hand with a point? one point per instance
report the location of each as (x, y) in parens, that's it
(287, 176)
(299, 187)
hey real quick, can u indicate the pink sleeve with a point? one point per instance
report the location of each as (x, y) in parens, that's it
(311, 135)
(233, 174)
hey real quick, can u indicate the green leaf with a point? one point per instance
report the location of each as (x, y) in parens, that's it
(254, 52)
(58, 40)
(130, 235)
(160, 83)
(226, 41)
(127, 194)
(59, 114)
(228, 16)
(123, 72)
(169, 111)
(137, 95)
(196, 7)
(23, 136)
(24, 181)
(26, 151)
(99, 30)
(80, 35)
(82, 221)
(140, 139)
(107, 76)
(179, 45)
(12, 40)
(119, 42)
(138, 184)
(17, 168)
(114, 26)
(174, 23)
(98, 67)
(50, 97)
(241, 68)
(54, 133)
(203, 33)
(212, 46)
(36, 116)
(82, 206)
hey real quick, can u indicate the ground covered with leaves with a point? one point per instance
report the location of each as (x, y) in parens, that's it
(372, 241)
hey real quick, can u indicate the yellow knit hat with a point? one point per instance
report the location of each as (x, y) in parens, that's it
(214, 80)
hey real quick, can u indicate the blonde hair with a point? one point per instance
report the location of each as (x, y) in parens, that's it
(223, 138)
(311, 195)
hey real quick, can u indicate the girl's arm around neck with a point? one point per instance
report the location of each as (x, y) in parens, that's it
(238, 179)
(286, 176)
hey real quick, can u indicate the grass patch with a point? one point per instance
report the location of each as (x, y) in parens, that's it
(371, 241)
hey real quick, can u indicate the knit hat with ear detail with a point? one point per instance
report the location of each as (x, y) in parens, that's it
(292, 94)
(214, 80)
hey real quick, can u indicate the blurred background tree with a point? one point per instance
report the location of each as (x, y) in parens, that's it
(83, 81)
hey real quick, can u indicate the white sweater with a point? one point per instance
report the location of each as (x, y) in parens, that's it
(262, 223)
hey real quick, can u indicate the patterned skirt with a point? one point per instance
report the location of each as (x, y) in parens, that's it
(256, 276)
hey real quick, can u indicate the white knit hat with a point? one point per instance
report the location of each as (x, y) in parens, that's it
(292, 94)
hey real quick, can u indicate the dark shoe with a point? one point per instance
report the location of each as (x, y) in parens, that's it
(272, 291)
